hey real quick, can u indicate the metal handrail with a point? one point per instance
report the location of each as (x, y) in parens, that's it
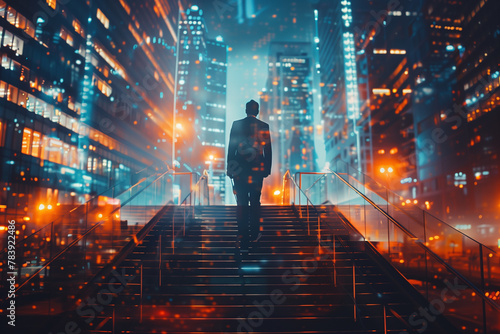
(99, 223)
(408, 215)
(421, 244)
(24, 240)
(353, 295)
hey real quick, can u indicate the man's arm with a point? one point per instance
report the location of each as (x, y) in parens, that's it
(268, 154)
(231, 151)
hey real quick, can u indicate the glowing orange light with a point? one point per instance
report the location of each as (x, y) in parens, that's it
(415, 202)
(179, 126)
(26, 218)
(196, 88)
(41, 207)
(277, 193)
(382, 170)
(408, 201)
(390, 170)
(49, 207)
(3, 228)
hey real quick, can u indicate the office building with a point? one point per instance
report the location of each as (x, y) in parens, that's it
(86, 97)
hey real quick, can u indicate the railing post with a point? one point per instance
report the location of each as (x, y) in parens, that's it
(300, 187)
(334, 263)
(114, 320)
(481, 263)
(354, 291)
(425, 258)
(385, 321)
(173, 230)
(319, 229)
(140, 306)
(159, 260)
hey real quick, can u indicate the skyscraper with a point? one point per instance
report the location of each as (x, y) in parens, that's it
(339, 82)
(287, 104)
(86, 92)
(200, 99)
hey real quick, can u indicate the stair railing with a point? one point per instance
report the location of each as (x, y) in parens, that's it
(198, 196)
(421, 262)
(80, 255)
(24, 240)
(293, 193)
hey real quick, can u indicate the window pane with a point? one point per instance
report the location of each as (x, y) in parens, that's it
(12, 94)
(36, 146)
(26, 146)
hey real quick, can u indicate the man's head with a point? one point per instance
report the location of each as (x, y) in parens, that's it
(252, 108)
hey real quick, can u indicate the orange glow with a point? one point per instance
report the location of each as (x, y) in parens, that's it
(382, 170)
(49, 207)
(26, 218)
(3, 228)
(196, 88)
(179, 126)
(41, 207)
(277, 192)
(99, 216)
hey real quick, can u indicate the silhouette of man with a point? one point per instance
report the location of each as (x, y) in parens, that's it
(249, 161)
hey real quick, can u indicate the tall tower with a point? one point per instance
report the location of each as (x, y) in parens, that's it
(339, 82)
(213, 130)
(200, 106)
(287, 104)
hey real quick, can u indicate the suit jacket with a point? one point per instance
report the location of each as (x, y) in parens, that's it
(249, 152)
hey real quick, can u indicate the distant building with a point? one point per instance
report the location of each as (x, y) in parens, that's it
(287, 104)
(436, 35)
(201, 99)
(385, 79)
(339, 85)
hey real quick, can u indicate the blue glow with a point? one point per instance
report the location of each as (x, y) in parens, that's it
(250, 268)
(450, 48)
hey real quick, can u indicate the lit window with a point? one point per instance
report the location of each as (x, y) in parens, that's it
(55, 154)
(52, 3)
(103, 87)
(78, 27)
(381, 91)
(397, 52)
(1, 134)
(36, 145)
(26, 145)
(104, 20)
(125, 6)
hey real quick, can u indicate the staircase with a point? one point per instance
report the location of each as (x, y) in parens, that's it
(200, 283)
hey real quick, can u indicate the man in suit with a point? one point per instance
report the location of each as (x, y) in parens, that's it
(249, 161)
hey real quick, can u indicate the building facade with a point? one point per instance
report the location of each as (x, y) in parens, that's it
(287, 104)
(201, 99)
